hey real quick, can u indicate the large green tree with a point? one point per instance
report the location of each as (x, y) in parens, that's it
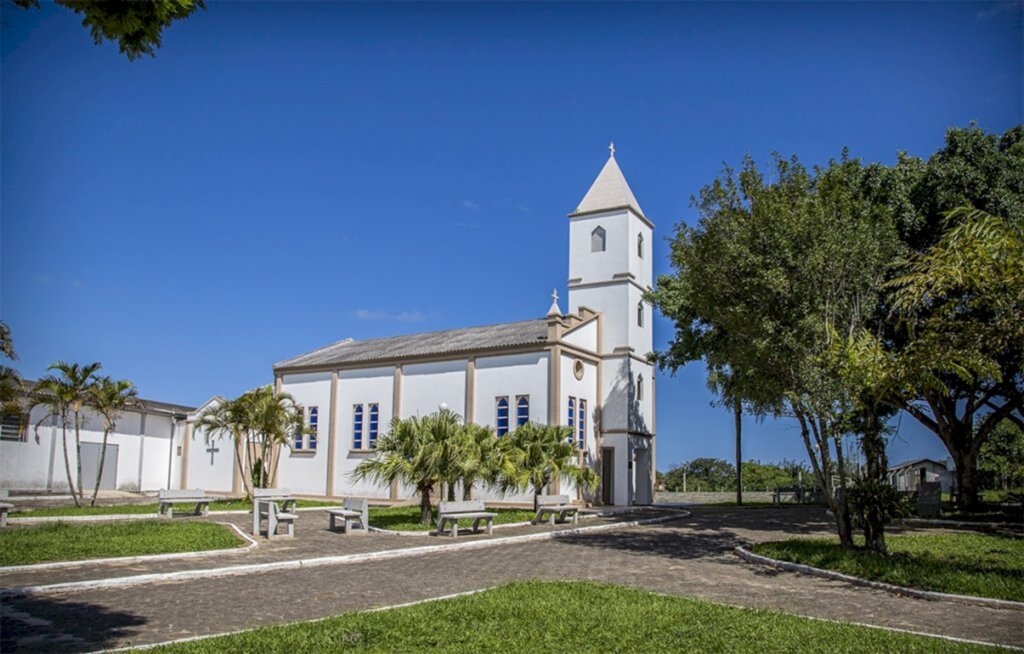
(758, 282)
(136, 26)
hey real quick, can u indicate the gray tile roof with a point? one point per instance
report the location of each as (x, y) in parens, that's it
(466, 339)
(609, 191)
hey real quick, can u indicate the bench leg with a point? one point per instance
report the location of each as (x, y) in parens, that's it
(271, 525)
(3, 519)
(291, 528)
(170, 512)
(551, 518)
(490, 526)
(348, 525)
(255, 519)
(455, 528)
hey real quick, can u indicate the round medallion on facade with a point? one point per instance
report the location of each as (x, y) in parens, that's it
(577, 369)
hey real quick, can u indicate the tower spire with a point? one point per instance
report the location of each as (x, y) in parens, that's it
(554, 310)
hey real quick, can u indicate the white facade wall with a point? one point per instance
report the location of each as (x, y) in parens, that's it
(144, 458)
(214, 474)
(304, 471)
(583, 337)
(362, 387)
(426, 386)
(511, 376)
(591, 266)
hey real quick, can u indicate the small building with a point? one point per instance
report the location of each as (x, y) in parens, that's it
(907, 476)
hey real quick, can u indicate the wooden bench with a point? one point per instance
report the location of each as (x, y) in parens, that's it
(352, 510)
(555, 506)
(274, 503)
(4, 510)
(169, 497)
(452, 512)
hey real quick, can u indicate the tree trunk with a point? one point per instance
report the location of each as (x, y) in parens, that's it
(426, 514)
(844, 522)
(78, 451)
(967, 491)
(821, 464)
(467, 489)
(103, 458)
(738, 417)
(67, 460)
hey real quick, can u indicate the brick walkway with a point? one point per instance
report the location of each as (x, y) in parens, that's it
(690, 557)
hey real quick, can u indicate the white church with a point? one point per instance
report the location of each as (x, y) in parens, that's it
(585, 368)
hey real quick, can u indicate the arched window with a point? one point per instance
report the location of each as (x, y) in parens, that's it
(640, 245)
(357, 427)
(639, 388)
(597, 239)
(572, 417)
(640, 313)
(582, 423)
(501, 415)
(374, 425)
(522, 410)
(314, 425)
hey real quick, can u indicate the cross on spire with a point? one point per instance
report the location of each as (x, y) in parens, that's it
(611, 149)
(554, 310)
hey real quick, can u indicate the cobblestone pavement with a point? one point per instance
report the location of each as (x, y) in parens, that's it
(689, 557)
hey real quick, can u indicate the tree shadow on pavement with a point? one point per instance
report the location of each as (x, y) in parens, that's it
(55, 624)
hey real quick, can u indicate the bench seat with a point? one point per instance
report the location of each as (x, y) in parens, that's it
(555, 506)
(352, 511)
(169, 497)
(452, 512)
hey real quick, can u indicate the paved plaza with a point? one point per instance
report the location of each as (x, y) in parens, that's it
(687, 556)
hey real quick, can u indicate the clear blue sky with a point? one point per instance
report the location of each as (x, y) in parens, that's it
(282, 176)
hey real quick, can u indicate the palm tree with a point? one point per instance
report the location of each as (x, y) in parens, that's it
(479, 458)
(227, 418)
(534, 455)
(10, 380)
(109, 399)
(65, 395)
(258, 423)
(409, 453)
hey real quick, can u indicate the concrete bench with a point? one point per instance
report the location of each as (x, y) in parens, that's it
(169, 497)
(274, 504)
(452, 512)
(351, 511)
(555, 506)
(794, 492)
(4, 510)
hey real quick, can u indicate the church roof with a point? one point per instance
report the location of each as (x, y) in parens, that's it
(388, 348)
(609, 191)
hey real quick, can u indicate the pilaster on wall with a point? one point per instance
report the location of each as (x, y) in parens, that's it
(396, 412)
(186, 440)
(554, 385)
(332, 428)
(470, 391)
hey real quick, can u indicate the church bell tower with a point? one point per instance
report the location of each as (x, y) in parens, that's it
(610, 269)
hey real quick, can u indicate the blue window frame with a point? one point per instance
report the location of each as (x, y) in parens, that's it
(582, 424)
(297, 439)
(501, 415)
(572, 417)
(522, 410)
(357, 427)
(374, 422)
(314, 422)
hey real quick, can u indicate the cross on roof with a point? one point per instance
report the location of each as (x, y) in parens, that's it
(611, 149)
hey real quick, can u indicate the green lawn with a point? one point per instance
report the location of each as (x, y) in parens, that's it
(126, 509)
(981, 565)
(62, 541)
(540, 616)
(407, 518)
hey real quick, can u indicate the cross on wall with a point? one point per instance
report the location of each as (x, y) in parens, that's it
(212, 450)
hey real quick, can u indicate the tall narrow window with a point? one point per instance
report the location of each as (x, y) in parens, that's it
(640, 313)
(597, 239)
(522, 410)
(314, 423)
(357, 427)
(572, 417)
(582, 424)
(639, 388)
(297, 439)
(374, 423)
(640, 245)
(501, 415)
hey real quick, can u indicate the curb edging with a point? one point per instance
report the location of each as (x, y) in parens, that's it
(209, 573)
(801, 568)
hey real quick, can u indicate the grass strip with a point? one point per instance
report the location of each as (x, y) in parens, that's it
(980, 565)
(545, 616)
(62, 541)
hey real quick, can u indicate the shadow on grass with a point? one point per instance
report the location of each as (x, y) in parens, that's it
(53, 624)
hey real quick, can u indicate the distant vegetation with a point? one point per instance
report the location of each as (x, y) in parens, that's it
(710, 474)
